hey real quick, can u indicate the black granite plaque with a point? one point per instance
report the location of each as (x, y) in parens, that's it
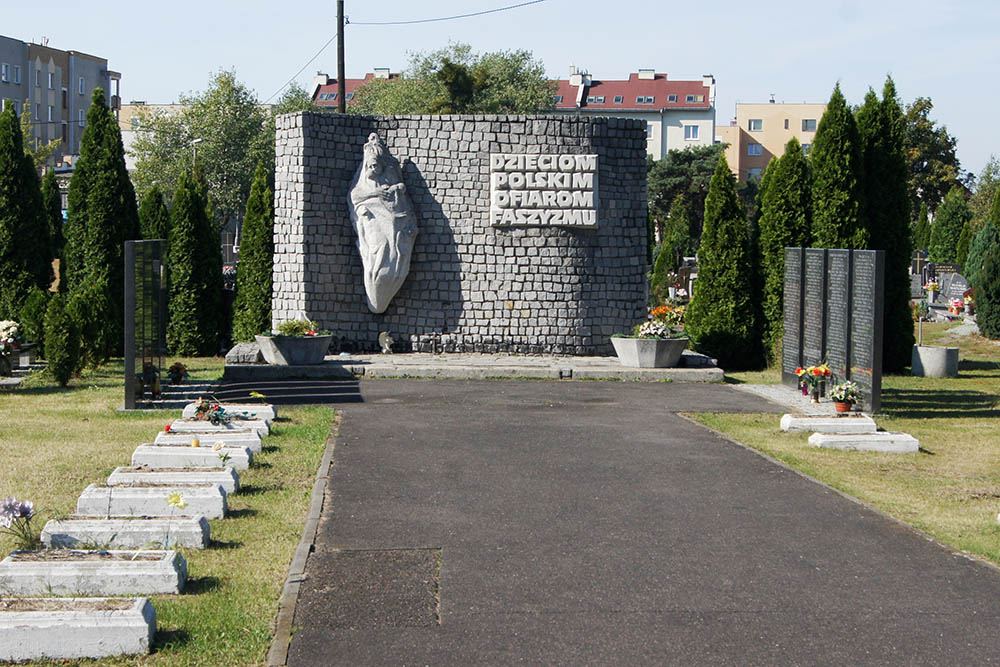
(866, 326)
(916, 287)
(791, 341)
(813, 339)
(938, 268)
(838, 313)
(953, 285)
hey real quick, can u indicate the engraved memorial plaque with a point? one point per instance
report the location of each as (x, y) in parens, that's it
(815, 290)
(838, 313)
(866, 326)
(791, 340)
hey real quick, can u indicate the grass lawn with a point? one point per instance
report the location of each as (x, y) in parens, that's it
(57, 441)
(951, 488)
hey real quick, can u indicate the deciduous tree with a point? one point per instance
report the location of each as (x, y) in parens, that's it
(931, 161)
(948, 222)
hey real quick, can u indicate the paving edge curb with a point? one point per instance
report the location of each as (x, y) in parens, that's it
(277, 655)
(843, 494)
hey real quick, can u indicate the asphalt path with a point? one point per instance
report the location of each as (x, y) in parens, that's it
(577, 523)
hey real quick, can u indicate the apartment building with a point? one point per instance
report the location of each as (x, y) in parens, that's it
(58, 86)
(759, 132)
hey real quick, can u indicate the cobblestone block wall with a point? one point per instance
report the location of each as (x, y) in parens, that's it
(471, 286)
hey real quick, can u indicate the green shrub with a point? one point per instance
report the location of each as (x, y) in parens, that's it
(252, 308)
(88, 310)
(33, 318)
(62, 341)
(985, 237)
(988, 293)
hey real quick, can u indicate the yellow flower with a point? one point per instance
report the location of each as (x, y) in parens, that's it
(175, 499)
(218, 445)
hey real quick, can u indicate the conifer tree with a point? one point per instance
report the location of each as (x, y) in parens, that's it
(52, 200)
(951, 216)
(988, 292)
(922, 233)
(154, 218)
(838, 172)
(192, 327)
(24, 247)
(32, 318)
(964, 241)
(880, 126)
(784, 222)
(720, 315)
(985, 237)
(252, 309)
(61, 341)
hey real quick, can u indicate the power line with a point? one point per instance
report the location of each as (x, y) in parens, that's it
(447, 18)
(443, 18)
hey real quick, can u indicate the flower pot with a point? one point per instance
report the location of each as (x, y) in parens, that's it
(843, 406)
(934, 362)
(649, 352)
(294, 350)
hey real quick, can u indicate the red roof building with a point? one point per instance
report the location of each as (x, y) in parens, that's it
(326, 90)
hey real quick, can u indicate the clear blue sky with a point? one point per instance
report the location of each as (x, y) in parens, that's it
(947, 51)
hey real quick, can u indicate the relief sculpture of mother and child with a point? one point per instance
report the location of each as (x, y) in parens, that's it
(385, 223)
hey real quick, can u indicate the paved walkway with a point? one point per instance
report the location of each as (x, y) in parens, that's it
(585, 523)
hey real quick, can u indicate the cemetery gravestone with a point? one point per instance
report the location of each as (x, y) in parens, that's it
(953, 286)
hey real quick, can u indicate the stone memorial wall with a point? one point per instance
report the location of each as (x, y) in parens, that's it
(833, 308)
(531, 231)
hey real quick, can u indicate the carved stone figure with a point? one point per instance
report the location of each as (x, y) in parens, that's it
(385, 223)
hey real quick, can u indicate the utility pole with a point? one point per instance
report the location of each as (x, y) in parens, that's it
(341, 83)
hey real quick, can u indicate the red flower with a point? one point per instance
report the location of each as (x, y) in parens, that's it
(166, 429)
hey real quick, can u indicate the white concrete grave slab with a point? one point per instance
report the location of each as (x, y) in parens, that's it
(227, 478)
(83, 573)
(71, 628)
(256, 410)
(183, 456)
(184, 425)
(241, 438)
(828, 423)
(77, 532)
(208, 500)
(882, 441)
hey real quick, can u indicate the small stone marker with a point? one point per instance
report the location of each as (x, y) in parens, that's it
(882, 441)
(208, 500)
(71, 628)
(83, 573)
(227, 478)
(247, 439)
(828, 424)
(187, 425)
(255, 410)
(183, 456)
(78, 532)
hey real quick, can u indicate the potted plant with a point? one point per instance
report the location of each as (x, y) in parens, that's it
(177, 372)
(845, 395)
(296, 342)
(812, 379)
(656, 343)
(10, 340)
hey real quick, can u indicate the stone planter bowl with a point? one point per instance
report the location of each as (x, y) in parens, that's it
(934, 362)
(294, 350)
(649, 352)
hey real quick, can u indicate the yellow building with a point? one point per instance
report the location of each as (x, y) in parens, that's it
(760, 131)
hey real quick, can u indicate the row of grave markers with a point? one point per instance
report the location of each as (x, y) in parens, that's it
(164, 498)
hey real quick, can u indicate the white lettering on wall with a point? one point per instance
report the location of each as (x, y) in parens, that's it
(543, 190)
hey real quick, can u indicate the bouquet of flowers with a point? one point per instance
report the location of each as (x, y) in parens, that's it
(10, 336)
(846, 392)
(812, 376)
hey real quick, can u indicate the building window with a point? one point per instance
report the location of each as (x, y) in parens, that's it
(755, 149)
(595, 99)
(695, 98)
(645, 99)
(557, 99)
(65, 133)
(38, 112)
(5, 72)
(619, 99)
(671, 98)
(786, 123)
(64, 96)
(753, 174)
(808, 124)
(806, 148)
(17, 74)
(348, 97)
(38, 77)
(649, 130)
(82, 85)
(690, 132)
(81, 117)
(755, 124)
(51, 109)
(52, 80)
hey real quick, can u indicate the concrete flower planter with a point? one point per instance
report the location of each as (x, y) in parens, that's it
(196, 425)
(294, 350)
(256, 410)
(184, 456)
(78, 532)
(66, 629)
(649, 352)
(83, 573)
(243, 438)
(208, 500)
(934, 362)
(224, 477)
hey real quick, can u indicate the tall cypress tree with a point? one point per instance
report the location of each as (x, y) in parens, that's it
(192, 328)
(25, 261)
(102, 216)
(720, 315)
(785, 222)
(52, 200)
(988, 292)
(252, 309)
(838, 172)
(922, 233)
(951, 216)
(154, 218)
(881, 127)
